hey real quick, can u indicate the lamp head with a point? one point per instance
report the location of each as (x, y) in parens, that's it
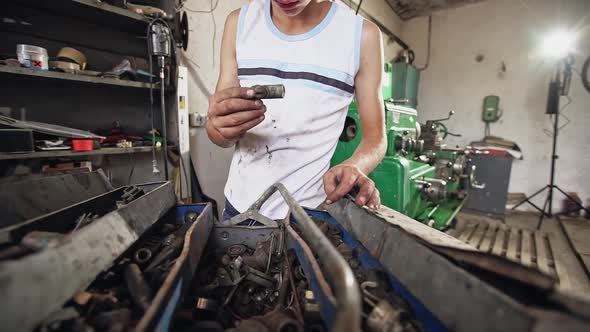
(558, 44)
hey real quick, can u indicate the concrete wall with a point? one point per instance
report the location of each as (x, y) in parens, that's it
(202, 60)
(507, 31)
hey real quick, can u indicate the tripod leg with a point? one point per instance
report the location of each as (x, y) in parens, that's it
(542, 213)
(527, 199)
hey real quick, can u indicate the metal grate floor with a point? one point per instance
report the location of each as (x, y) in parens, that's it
(530, 248)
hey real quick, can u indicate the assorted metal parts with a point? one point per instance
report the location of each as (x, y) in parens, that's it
(269, 91)
(239, 281)
(253, 278)
(383, 317)
(139, 290)
(270, 278)
(65, 250)
(131, 295)
(384, 310)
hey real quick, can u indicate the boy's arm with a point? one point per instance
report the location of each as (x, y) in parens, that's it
(232, 110)
(341, 179)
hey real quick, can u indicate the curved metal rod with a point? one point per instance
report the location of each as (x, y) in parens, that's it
(344, 284)
(253, 212)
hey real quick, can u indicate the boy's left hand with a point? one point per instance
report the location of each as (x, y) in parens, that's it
(342, 179)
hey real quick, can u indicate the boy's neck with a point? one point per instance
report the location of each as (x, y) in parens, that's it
(303, 22)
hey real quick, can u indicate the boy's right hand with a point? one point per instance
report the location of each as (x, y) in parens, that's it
(234, 111)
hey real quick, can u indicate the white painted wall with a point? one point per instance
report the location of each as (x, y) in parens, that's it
(202, 60)
(509, 31)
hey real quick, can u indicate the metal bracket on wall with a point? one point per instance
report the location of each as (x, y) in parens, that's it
(197, 119)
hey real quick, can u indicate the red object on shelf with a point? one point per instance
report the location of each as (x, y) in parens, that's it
(82, 145)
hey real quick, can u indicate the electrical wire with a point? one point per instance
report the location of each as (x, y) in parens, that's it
(359, 7)
(213, 6)
(429, 44)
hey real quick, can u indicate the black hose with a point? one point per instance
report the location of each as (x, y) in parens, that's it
(585, 73)
(411, 56)
(429, 43)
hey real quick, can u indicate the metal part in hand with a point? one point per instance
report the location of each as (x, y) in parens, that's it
(269, 91)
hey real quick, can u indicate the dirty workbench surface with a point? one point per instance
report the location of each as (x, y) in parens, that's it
(547, 249)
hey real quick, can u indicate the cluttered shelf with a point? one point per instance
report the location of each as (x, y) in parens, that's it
(69, 153)
(10, 70)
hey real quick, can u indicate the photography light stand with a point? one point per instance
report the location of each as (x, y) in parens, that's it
(559, 86)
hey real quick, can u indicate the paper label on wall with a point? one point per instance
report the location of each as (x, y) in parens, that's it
(182, 102)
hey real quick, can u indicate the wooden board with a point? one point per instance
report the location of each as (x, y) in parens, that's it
(488, 238)
(500, 242)
(478, 235)
(513, 245)
(544, 259)
(530, 248)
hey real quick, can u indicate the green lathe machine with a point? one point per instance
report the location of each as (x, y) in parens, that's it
(419, 176)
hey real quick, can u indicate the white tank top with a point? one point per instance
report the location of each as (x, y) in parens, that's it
(296, 140)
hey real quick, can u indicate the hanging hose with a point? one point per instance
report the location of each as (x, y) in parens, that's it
(429, 42)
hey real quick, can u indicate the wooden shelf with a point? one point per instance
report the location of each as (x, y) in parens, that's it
(9, 70)
(69, 153)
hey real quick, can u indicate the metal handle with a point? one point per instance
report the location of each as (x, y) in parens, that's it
(473, 181)
(253, 212)
(477, 185)
(339, 273)
(451, 113)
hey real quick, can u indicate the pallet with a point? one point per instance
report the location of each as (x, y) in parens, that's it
(530, 248)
